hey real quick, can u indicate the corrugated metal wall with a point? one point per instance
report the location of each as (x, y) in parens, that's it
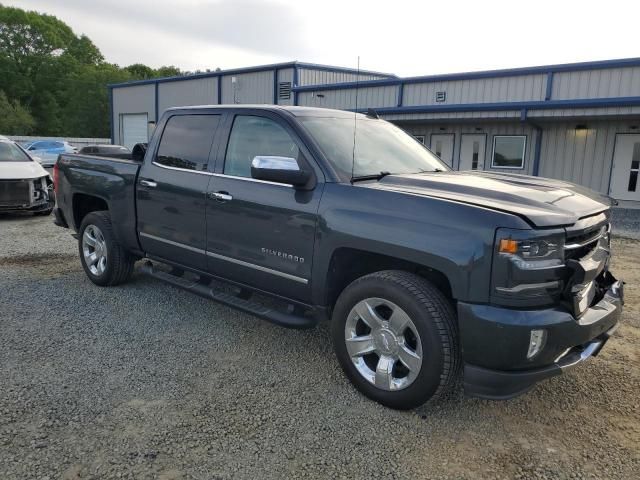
(286, 75)
(254, 87)
(581, 156)
(481, 128)
(610, 82)
(134, 99)
(346, 99)
(309, 76)
(202, 91)
(484, 90)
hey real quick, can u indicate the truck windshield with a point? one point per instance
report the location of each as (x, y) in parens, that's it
(380, 147)
(9, 152)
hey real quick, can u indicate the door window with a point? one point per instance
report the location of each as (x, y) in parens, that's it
(252, 136)
(186, 141)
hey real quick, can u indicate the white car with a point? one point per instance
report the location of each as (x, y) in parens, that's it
(24, 184)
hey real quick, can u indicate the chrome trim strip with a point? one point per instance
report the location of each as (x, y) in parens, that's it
(571, 361)
(573, 246)
(171, 242)
(228, 259)
(528, 286)
(212, 174)
(258, 267)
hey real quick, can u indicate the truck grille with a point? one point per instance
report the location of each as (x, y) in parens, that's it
(580, 244)
(14, 193)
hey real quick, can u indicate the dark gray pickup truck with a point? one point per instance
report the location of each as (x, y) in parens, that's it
(300, 214)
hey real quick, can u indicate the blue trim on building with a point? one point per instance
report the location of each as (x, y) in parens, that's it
(536, 154)
(275, 86)
(219, 86)
(111, 122)
(523, 115)
(259, 68)
(400, 94)
(156, 103)
(549, 91)
(510, 106)
(295, 85)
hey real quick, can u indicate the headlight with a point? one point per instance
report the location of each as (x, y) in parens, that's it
(528, 267)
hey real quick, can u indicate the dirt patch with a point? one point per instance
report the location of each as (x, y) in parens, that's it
(50, 265)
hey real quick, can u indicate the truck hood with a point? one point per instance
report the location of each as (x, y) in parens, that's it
(21, 170)
(542, 202)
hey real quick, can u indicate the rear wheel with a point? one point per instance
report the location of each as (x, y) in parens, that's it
(104, 260)
(395, 336)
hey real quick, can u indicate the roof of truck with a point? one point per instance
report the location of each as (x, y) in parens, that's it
(297, 111)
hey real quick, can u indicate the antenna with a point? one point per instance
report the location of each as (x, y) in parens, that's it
(355, 122)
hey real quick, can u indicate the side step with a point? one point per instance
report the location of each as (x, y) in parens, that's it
(283, 319)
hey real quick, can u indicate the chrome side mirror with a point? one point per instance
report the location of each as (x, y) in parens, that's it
(279, 169)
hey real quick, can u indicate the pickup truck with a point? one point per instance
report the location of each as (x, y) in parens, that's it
(298, 214)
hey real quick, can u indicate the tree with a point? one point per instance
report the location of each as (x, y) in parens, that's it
(59, 77)
(14, 118)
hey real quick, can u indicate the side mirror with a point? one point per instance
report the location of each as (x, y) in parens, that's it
(279, 169)
(139, 151)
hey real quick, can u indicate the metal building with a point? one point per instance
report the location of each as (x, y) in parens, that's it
(578, 122)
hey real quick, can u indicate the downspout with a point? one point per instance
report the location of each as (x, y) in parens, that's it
(113, 133)
(537, 146)
(295, 84)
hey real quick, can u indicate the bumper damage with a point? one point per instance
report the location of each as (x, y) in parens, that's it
(505, 372)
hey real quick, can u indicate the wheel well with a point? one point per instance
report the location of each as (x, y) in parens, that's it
(85, 204)
(348, 264)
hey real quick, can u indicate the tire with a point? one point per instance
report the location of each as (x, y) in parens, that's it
(428, 342)
(117, 266)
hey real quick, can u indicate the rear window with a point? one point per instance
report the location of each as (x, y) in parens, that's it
(186, 141)
(10, 152)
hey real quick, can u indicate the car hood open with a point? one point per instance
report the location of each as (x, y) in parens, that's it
(21, 170)
(542, 202)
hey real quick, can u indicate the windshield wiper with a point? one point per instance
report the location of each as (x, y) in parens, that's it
(377, 176)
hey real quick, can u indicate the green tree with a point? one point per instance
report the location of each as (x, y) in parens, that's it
(14, 118)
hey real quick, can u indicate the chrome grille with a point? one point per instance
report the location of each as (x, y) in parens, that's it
(14, 192)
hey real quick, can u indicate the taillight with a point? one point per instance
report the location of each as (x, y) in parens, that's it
(55, 176)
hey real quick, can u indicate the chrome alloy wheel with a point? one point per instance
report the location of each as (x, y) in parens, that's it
(94, 250)
(383, 343)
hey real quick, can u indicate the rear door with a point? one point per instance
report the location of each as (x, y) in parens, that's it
(261, 233)
(172, 190)
(135, 129)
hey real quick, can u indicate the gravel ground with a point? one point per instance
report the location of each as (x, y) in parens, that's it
(626, 222)
(146, 381)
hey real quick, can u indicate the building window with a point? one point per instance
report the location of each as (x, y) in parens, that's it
(508, 151)
(419, 138)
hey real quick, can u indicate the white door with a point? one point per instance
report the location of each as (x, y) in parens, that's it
(442, 146)
(134, 129)
(625, 184)
(472, 148)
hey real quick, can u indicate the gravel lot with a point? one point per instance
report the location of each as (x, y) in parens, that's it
(146, 381)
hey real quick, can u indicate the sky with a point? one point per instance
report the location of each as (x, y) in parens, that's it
(402, 37)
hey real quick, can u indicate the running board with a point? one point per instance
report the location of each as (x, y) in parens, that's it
(289, 320)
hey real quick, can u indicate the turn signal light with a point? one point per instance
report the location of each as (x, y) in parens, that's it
(508, 246)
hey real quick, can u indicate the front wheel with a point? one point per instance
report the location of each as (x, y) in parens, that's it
(104, 260)
(395, 337)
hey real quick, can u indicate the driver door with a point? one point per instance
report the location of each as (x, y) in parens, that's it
(261, 233)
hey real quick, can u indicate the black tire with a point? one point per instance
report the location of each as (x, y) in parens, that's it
(434, 318)
(119, 263)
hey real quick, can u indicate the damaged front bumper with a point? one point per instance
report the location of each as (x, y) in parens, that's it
(495, 341)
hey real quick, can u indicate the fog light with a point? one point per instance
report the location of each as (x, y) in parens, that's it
(536, 342)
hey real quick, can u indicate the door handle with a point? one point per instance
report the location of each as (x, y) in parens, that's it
(148, 183)
(221, 196)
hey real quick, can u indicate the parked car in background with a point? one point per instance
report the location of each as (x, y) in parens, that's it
(111, 151)
(24, 184)
(47, 151)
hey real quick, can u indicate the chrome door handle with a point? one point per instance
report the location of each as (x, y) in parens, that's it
(148, 183)
(222, 196)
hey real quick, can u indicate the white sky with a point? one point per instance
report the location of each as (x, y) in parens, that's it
(402, 37)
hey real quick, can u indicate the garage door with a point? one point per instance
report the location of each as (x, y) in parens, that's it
(134, 129)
